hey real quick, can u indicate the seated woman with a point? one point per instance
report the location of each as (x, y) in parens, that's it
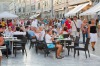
(64, 31)
(50, 40)
(1, 43)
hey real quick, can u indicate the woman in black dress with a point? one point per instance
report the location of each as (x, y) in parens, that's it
(92, 30)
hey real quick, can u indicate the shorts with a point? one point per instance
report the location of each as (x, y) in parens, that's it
(0, 53)
(51, 45)
(74, 33)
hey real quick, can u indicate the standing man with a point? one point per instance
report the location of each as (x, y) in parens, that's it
(63, 21)
(78, 23)
(74, 29)
(34, 23)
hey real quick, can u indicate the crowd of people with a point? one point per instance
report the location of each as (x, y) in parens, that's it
(49, 28)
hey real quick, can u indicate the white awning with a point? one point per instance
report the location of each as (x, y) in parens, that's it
(34, 16)
(76, 9)
(92, 10)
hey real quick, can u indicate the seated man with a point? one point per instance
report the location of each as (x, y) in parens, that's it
(50, 39)
(31, 33)
(18, 32)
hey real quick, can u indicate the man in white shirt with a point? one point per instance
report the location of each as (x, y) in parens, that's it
(74, 30)
(77, 24)
(34, 23)
(49, 40)
(17, 32)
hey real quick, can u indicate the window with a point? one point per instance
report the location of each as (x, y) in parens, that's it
(60, 16)
(38, 5)
(98, 1)
(23, 9)
(63, 15)
(33, 7)
(57, 15)
(19, 1)
(57, 1)
(45, 4)
(19, 9)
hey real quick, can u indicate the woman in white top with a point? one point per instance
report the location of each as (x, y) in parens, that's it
(8, 32)
(50, 40)
(42, 33)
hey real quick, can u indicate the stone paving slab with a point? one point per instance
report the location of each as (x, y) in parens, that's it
(34, 59)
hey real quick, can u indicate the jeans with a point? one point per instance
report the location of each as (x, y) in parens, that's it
(85, 35)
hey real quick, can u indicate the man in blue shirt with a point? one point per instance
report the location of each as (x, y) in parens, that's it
(63, 21)
(31, 33)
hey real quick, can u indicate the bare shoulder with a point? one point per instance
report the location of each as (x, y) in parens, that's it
(1, 38)
(89, 25)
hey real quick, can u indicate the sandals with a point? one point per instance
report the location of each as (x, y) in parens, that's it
(60, 57)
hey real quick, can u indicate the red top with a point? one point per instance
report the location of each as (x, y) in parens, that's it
(68, 24)
(10, 24)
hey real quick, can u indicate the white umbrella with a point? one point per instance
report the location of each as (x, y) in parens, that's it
(8, 15)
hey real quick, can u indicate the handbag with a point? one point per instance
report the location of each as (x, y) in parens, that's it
(78, 29)
(84, 32)
(85, 29)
